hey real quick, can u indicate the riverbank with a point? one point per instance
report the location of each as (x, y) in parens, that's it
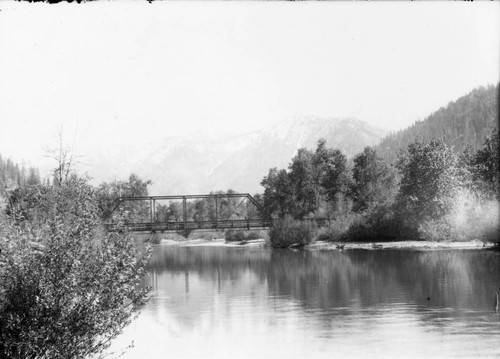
(322, 245)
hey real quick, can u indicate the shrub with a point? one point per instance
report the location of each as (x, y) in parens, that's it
(337, 229)
(173, 236)
(234, 236)
(379, 223)
(67, 287)
(239, 236)
(154, 238)
(469, 220)
(288, 232)
(375, 224)
(435, 230)
(207, 236)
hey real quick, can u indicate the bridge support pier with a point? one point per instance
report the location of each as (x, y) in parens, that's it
(216, 213)
(184, 216)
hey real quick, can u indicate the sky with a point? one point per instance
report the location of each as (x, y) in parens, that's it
(124, 74)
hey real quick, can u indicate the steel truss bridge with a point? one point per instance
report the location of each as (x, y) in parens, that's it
(153, 222)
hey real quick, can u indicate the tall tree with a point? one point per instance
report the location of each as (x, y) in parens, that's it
(374, 182)
(486, 167)
(301, 177)
(65, 159)
(335, 180)
(429, 181)
(278, 194)
(33, 177)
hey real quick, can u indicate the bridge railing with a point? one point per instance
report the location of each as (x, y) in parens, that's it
(264, 220)
(191, 226)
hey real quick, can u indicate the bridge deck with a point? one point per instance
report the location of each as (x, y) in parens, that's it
(190, 226)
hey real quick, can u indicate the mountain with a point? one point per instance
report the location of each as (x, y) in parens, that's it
(466, 121)
(202, 163)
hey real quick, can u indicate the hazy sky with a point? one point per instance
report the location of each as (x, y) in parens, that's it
(133, 72)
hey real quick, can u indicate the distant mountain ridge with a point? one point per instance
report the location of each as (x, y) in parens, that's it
(203, 163)
(466, 121)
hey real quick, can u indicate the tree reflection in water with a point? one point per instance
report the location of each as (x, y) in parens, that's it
(348, 299)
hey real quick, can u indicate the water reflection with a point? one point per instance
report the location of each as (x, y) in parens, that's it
(247, 302)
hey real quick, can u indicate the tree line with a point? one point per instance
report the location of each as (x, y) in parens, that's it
(12, 175)
(430, 192)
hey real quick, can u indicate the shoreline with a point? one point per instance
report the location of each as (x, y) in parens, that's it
(340, 246)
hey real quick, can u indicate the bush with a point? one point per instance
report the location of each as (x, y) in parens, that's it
(337, 229)
(469, 220)
(239, 236)
(154, 238)
(234, 236)
(379, 224)
(435, 230)
(67, 287)
(288, 232)
(207, 236)
(376, 224)
(173, 236)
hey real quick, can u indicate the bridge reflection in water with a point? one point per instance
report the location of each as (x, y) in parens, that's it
(185, 213)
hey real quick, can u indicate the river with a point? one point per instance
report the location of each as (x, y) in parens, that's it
(252, 302)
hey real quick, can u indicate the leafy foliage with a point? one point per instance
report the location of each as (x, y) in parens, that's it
(333, 172)
(108, 193)
(278, 194)
(373, 183)
(313, 181)
(67, 287)
(303, 185)
(238, 235)
(429, 181)
(288, 232)
(483, 167)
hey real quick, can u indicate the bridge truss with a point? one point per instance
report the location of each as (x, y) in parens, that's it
(186, 213)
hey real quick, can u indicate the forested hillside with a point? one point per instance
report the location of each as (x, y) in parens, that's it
(467, 121)
(12, 175)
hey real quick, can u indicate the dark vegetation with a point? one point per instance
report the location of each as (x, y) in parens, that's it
(287, 233)
(242, 236)
(433, 190)
(67, 286)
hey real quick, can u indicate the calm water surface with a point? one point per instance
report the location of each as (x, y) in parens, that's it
(244, 302)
